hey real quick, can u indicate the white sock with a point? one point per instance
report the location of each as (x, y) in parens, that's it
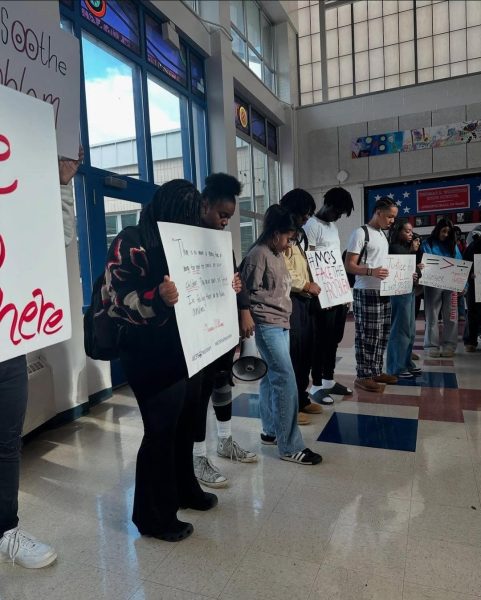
(327, 384)
(315, 388)
(224, 429)
(200, 449)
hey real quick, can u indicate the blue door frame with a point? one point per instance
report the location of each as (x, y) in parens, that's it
(91, 186)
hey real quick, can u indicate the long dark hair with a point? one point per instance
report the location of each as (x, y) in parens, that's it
(395, 233)
(339, 199)
(177, 201)
(450, 242)
(299, 203)
(276, 220)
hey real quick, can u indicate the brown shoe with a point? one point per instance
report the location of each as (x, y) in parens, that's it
(385, 378)
(369, 385)
(303, 419)
(312, 409)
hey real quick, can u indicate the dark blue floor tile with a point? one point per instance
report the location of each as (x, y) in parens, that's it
(246, 405)
(429, 379)
(367, 430)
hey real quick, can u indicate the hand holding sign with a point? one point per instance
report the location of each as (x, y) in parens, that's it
(168, 292)
(445, 273)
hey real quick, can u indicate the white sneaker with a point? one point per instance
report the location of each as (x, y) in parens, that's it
(208, 474)
(22, 548)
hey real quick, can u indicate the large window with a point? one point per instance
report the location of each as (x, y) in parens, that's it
(253, 39)
(374, 45)
(257, 169)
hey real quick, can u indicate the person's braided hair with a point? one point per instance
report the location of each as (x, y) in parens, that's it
(177, 201)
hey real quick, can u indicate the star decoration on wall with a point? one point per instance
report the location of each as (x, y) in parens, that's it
(399, 203)
(391, 196)
(479, 187)
(406, 194)
(406, 209)
(378, 197)
(479, 202)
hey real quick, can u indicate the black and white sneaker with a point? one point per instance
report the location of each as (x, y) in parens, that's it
(268, 440)
(303, 457)
(405, 375)
(415, 371)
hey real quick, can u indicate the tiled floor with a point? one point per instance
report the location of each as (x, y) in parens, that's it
(369, 523)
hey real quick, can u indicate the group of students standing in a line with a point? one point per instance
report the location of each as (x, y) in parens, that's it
(277, 298)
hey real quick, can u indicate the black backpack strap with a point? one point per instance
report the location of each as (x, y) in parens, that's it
(364, 248)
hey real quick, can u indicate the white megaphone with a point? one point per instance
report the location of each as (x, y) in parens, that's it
(249, 366)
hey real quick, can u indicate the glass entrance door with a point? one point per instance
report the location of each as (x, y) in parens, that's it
(112, 202)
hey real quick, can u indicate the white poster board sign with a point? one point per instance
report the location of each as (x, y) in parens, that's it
(445, 273)
(400, 279)
(39, 59)
(34, 300)
(201, 265)
(327, 270)
(477, 275)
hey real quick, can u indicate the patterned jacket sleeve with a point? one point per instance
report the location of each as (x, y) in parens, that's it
(129, 286)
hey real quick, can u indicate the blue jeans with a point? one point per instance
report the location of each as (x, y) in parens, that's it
(402, 335)
(278, 390)
(13, 404)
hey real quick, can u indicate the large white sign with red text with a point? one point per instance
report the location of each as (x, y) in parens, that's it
(39, 59)
(34, 300)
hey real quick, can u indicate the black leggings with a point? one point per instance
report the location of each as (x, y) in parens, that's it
(164, 477)
(328, 325)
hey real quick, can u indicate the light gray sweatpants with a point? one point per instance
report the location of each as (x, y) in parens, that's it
(436, 300)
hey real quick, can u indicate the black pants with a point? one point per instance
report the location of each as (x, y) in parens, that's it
(473, 321)
(165, 477)
(13, 404)
(214, 375)
(328, 326)
(300, 345)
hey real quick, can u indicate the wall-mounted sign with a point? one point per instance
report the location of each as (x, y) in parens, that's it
(443, 198)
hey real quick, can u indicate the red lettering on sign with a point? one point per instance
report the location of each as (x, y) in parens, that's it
(5, 156)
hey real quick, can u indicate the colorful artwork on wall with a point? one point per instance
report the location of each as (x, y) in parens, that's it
(417, 139)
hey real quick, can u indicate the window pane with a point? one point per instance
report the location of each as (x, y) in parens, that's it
(474, 42)
(346, 90)
(362, 66)
(119, 214)
(197, 75)
(305, 74)
(272, 138)
(237, 14)
(260, 181)
(273, 168)
(200, 144)
(317, 96)
(440, 18)
(331, 18)
(316, 76)
(457, 15)
(267, 42)
(424, 17)
(110, 108)
(425, 53)
(391, 29)
(425, 75)
(361, 38)
(344, 15)
(316, 47)
(441, 49)
(345, 68)
(238, 46)
(391, 60)
(406, 54)
(360, 11)
(305, 50)
(333, 72)
(375, 33)
(457, 45)
(306, 98)
(128, 219)
(315, 19)
(345, 41)
(117, 19)
(376, 63)
(166, 136)
(474, 65)
(442, 72)
(255, 63)
(406, 26)
(111, 224)
(374, 9)
(304, 16)
(253, 25)
(390, 7)
(269, 79)
(331, 43)
(459, 68)
(258, 127)
(163, 55)
(473, 15)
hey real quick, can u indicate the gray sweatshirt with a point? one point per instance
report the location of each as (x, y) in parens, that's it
(269, 284)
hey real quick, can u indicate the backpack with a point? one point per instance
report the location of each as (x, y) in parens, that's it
(101, 332)
(350, 276)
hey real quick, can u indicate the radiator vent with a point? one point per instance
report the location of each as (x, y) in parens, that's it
(41, 400)
(35, 366)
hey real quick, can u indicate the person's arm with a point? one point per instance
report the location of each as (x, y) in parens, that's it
(67, 169)
(354, 249)
(299, 283)
(133, 299)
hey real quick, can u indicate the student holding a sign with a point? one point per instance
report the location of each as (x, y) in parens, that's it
(16, 545)
(301, 205)
(441, 242)
(372, 312)
(268, 282)
(218, 206)
(142, 294)
(473, 323)
(403, 322)
(328, 323)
